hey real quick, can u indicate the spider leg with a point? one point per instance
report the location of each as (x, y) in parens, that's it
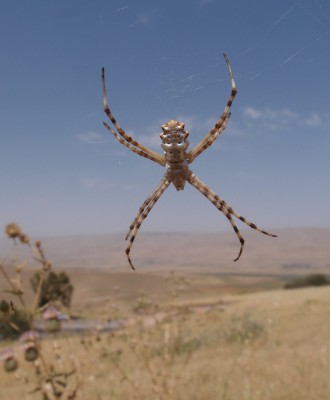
(240, 217)
(211, 139)
(131, 147)
(144, 205)
(202, 188)
(142, 215)
(123, 134)
(220, 126)
(224, 207)
(230, 210)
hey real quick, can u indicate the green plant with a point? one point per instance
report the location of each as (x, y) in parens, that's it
(55, 287)
(12, 321)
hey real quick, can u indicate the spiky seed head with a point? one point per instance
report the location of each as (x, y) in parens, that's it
(10, 365)
(24, 238)
(51, 315)
(31, 352)
(8, 356)
(13, 231)
(28, 342)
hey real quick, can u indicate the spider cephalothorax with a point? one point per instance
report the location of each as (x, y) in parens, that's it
(176, 159)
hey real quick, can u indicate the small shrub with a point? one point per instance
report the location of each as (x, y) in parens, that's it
(12, 325)
(55, 287)
(309, 280)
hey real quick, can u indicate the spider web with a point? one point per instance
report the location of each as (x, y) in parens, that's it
(193, 88)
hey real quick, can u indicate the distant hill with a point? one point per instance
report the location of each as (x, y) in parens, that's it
(293, 251)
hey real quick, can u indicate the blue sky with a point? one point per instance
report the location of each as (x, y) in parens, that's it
(62, 173)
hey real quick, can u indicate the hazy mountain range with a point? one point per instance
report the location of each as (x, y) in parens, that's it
(294, 250)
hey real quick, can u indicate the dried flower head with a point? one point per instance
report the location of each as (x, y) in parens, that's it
(24, 238)
(51, 312)
(28, 336)
(13, 231)
(29, 345)
(31, 352)
(8, 357)
(53, 323)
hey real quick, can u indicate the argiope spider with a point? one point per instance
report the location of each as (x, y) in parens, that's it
(176, 159)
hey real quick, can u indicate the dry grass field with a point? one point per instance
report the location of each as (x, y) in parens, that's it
(183, 344)
(189, 332)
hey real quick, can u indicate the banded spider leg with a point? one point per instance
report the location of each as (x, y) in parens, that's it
(176, 159)
(142, 215)
(134, 149)
(220, 126)
(225, 208)
(122, 136)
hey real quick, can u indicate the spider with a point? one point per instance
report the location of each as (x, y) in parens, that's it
(176, 160)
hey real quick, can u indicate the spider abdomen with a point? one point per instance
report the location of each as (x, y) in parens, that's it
(177, 173)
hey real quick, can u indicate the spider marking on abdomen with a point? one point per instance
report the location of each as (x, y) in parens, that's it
(176, 161)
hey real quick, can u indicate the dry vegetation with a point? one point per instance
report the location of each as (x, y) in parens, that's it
(189, 337)
(269, 345)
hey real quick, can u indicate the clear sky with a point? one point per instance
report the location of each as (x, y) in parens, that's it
(62, 173)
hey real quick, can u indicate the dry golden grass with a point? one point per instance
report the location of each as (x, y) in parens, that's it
(268, 345)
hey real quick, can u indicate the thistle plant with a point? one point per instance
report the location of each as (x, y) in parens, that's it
(53, 379)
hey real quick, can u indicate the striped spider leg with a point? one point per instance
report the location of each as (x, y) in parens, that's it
(220, 126)
(122, 136)
(142, 215)
(225, 208)
(134, 149)
(176, 160)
